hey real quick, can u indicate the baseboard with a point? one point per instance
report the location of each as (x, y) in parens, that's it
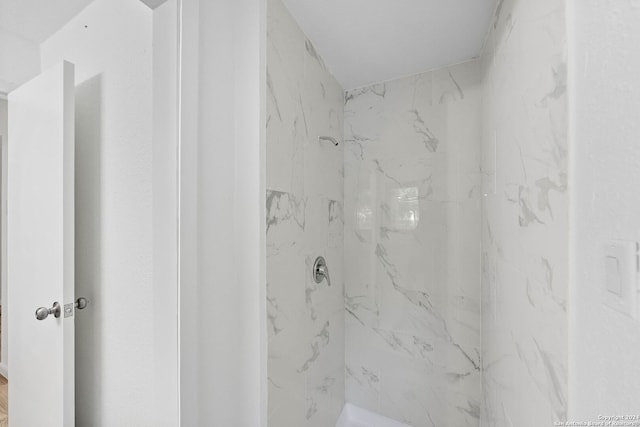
(4, 371)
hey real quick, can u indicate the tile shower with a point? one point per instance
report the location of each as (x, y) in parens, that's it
(305, 219)
(412, 252)
(525, 216)
(431, 213)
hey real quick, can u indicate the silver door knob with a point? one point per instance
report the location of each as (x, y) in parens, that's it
(82, 303)
(43, 312)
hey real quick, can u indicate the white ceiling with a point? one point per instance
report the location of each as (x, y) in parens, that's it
(36, 20)
(367, 41)
(361, 41)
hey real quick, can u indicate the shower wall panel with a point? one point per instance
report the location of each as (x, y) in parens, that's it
(525, 216)
(412, 247)
(304, 220)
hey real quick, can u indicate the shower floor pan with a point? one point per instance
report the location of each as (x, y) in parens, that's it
(353, 416)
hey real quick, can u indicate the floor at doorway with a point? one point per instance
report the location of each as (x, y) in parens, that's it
(4, 402)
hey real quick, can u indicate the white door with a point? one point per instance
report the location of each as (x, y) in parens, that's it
(40, 250)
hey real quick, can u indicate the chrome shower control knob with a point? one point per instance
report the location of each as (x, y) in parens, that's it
(321, 271)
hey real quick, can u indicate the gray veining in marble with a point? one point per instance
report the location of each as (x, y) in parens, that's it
(525, 216)
(304, 219)
(412, 253)
(443, 218)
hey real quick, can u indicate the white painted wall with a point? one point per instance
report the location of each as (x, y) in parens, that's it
(126, 345)
(4, 117)
(223, 336)
(189, 359)
(165, 210)
(19, 61)
(604, 90)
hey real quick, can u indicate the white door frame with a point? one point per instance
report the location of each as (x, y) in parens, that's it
(4, 336)
(222, 279)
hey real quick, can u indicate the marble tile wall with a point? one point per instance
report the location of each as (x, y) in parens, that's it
(412, 247)
(525, 216)
(304, 219)
(454, 226)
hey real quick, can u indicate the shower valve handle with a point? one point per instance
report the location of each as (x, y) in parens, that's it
(321, 271)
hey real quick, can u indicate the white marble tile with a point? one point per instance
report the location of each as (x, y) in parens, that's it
(363, 360)
(316, 232)
(324, 399)
(525, 228)
(412, 247)
(335, 236)
(286, 278)
(287, 354)
(291, 413)
(285, 125)
(286, 219)
(443, 400)
(325, 387)
(456, 83)
(322, 102)
(305, 219)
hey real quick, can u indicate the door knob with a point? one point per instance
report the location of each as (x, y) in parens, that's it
(43, 312)
(82, 303)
